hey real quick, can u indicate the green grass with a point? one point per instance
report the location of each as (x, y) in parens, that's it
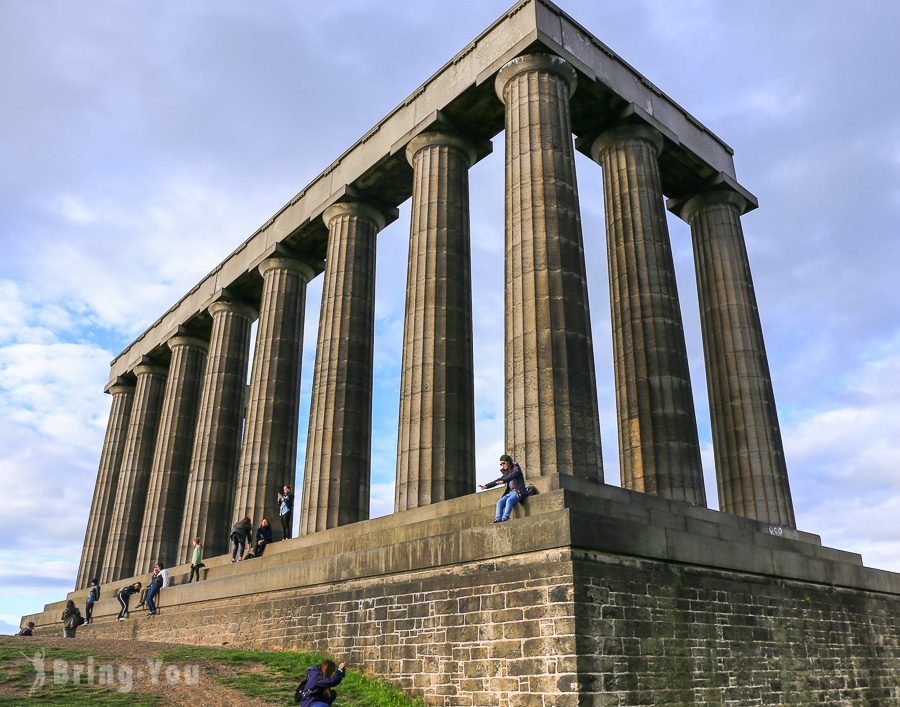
(17, 675)
(284, 670)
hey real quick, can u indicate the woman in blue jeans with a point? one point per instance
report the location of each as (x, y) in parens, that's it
(514, 479)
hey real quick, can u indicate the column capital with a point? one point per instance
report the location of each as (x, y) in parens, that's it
(121, 386)
(626, 132)
(717, 197)
(548, 63)
(191, 341)
(227, 305)
(354, 208)
(423, 140)
(147, 368)
(296, 265)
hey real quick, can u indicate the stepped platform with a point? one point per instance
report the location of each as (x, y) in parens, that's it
(590, 594)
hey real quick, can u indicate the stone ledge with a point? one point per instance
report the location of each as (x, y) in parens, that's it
(568, 513)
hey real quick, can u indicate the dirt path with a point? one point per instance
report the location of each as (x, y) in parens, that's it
(150, 676)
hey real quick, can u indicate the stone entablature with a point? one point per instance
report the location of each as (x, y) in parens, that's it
(462, 90)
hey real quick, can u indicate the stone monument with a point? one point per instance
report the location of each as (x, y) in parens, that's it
(594, 594)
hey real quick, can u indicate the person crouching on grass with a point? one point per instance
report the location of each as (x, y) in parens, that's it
(512, 476)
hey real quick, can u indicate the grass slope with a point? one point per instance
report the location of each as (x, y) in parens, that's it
(263, 677)
(284, 670)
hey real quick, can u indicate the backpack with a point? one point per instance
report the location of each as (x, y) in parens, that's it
(301, 688)
(530, 490)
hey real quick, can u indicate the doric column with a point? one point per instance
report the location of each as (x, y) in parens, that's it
(659, 448)
(209, 500)
(336, 478)
(269, 451)
(137, 461)
(436, 436)
(107, 482)
(750, 467)
(552, 423)
(161, 528)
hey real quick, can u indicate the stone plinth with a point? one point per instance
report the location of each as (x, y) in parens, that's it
(658, 444)
(436, 433)
(217, 444)
(750, 467)
(591, 594)
(107, 484)
(552, 423)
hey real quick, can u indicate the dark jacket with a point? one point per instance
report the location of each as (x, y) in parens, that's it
(71, 616)
(25, 632)
(263, 533)
(94, 594)
(128, 591)
(244, 532)
(287, 499)
(514, 480)
(317, 686)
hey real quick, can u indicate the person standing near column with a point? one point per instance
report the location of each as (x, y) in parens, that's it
(196, 560)
(92, 598)
(286, 511)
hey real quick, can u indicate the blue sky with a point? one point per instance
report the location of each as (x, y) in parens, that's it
(143, 142)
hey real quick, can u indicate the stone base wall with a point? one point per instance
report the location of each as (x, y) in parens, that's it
(669, 634)
(480, 635)
(591, 595)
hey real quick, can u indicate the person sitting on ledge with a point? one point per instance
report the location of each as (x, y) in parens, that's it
(196, 560)
(320, 682)
(240, 538)
(124, 596)
(28, 630)
(515, 487)
(263, 538)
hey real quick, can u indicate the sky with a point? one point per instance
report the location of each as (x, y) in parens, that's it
(141, 143)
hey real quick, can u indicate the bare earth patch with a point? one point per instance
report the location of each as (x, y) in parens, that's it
(148, 672)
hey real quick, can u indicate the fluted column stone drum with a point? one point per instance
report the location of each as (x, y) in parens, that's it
(750, 467)
(436, 433)
(552, 421)
(658, 442)
(137, 462)
(161, 529)
(269, 450)
(336, 478)
(95, 536)
(209, 500)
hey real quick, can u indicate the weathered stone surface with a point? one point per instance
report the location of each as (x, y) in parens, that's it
(336, 477)
(269, 450)
(552, 423)
(552, 606)
(137, 461)
(210, 491)
(436, 433)
(106, 485)
(658, 445)
(167, 484)
(750, 467)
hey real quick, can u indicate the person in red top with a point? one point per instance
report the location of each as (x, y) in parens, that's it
(514, 479)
